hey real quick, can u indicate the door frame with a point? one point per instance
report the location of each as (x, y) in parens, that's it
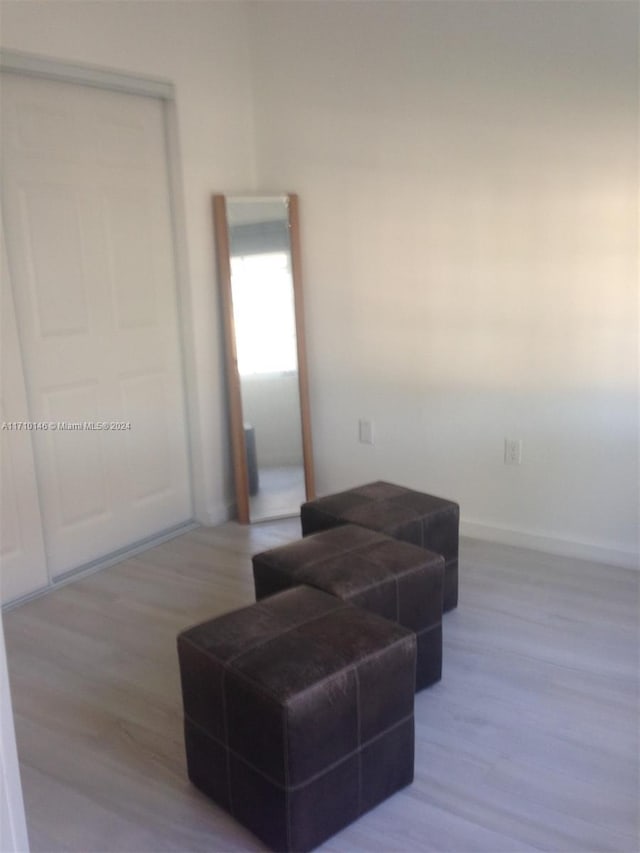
(32, 65)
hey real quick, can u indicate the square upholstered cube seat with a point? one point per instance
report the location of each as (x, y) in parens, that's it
(298, 713)
(415, 517)
(394, 579)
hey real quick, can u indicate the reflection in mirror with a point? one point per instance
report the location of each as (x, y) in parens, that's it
(257, 248)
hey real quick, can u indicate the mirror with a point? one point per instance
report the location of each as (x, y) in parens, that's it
(258, 249)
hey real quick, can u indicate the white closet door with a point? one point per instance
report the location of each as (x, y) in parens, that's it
(23, 566)
(89, 240)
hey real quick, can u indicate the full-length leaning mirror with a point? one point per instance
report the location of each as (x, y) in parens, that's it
(258, 249)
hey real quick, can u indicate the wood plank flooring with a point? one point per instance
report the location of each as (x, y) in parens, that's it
(530, 742)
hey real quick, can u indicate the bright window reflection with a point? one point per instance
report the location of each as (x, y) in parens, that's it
(263, 312)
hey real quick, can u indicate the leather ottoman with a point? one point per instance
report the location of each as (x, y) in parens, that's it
(298, 714)
(394, 579)
(414, 517)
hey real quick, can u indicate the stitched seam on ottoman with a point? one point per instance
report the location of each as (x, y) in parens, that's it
(446, 505)
(416, 570)
(225, 723)
(281, 633)
(397, 589)
(315, 776)
(436, 512)
(343, 552)
(359, 740)
(404, 574)
(397, 576)
(401, 575)
(410, 516)
(273, 697)
(285, 747)
(269, 694)
(376, 584)
(428, 629)
(227, 664)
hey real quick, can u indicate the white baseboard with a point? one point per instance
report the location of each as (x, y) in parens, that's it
(550, 544)
(493, 533)
(216, 514)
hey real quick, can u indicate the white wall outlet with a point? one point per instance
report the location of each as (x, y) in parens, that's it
(512, 451)
(365, 431)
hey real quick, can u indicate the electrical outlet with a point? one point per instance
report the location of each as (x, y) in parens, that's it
(365, 431)
(512, 451)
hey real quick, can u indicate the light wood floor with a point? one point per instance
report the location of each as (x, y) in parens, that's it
(530, 742)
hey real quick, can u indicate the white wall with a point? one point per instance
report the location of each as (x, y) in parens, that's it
(468, 183)
(202, 49)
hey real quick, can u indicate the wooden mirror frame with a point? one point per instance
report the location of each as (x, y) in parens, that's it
(236, 421)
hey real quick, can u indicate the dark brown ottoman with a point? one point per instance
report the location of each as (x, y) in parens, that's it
(298, 713)
(414, 517)
(391, 578)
